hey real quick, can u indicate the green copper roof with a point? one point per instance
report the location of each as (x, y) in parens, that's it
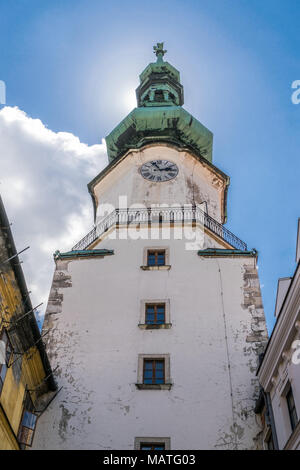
(82, 253)
(165, 123)
(160, 67)
(160, 83)
(220, 252)
(159, 115)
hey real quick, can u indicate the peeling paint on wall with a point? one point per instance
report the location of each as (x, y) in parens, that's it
(253, 302)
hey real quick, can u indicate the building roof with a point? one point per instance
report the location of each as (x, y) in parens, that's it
(30, 319)
(159, 124)
(159, 115)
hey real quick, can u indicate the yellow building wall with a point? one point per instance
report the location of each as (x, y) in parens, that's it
(7, 439)
(32, 370)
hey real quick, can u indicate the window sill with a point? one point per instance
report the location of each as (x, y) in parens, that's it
(160, 326)
(154, 386)
(165, 267)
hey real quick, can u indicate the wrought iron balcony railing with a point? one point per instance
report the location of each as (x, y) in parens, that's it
(160, 215)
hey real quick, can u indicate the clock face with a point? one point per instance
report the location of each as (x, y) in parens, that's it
(159, 170)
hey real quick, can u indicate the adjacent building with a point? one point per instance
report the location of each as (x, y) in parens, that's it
(279, 371)
(26, 380)
(156, 318)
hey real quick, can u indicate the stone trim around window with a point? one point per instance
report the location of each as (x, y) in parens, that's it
(165, 267)
(168, 383)
(142, 324)
(149, 440)
(162, 326)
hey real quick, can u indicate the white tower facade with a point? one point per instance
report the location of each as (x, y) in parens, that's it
(156, 318)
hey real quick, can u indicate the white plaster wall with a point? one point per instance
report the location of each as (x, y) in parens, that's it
(95, 341)
(195, 183)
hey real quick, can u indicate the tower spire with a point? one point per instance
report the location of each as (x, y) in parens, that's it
(159, 115)
(159, 83)
(159, 51)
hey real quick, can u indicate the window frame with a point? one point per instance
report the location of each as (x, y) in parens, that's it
(156, 253)
(155, 307)
(149, 326)
(28, 403)
(148, 249)
(154, 370)
(8, 355)
(292, 410)
(140, 372)
(152, 446)
(139, 441)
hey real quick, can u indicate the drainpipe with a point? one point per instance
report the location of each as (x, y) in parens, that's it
(272, 421)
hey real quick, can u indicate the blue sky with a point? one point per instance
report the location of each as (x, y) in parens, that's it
(74, 64)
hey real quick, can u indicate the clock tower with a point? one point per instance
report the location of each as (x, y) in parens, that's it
(156, 319)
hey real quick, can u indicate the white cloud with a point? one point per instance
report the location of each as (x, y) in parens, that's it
(43, 182)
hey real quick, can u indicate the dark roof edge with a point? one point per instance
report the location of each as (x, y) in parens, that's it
(221, 252)
(82, 254)
(15, 264)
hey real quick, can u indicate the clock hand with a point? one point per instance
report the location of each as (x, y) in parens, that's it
(155, 164)
(168, 167)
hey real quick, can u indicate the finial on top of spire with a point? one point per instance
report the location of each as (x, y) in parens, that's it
(159, 51)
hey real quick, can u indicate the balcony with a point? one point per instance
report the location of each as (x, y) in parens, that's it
(189, 214)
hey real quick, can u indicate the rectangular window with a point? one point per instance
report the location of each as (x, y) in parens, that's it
(152, 446)
(155, 314)
(156, 257)
(154, 371)
(28, 422)
(292, 408)
(7, 352)
(152, 443)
